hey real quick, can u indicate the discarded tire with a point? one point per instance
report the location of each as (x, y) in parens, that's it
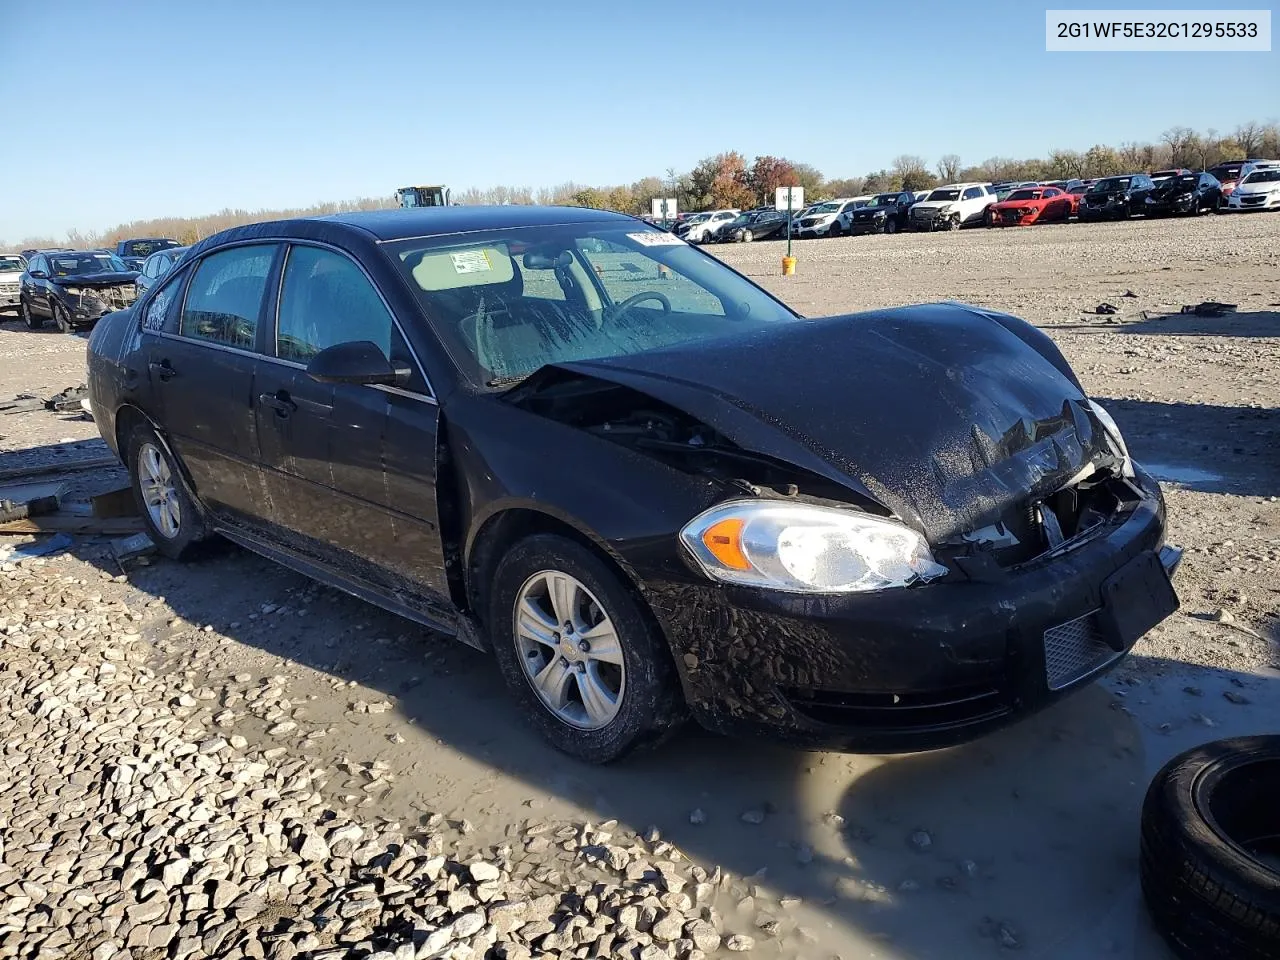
(1211, 850)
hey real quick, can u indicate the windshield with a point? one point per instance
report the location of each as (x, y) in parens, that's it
(83, 264)
(883, 200)
(1026, 195)
(1111, 184)
(1263, 176)
(11, 264)
(698, 218)
(830, 206)
(145, 248)
(1226, 171)
(944, 195)
(507, 302)
(1187, 181)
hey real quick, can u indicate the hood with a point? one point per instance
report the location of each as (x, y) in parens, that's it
(933, 204)
(868, 213)
(945, 415)
(1018, 204)
(1248, 189)
(96, 279)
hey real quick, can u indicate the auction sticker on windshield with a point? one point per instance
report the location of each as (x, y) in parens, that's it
(471, 261)
(655, 239)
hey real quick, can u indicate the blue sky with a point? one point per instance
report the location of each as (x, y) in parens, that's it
(175, 108)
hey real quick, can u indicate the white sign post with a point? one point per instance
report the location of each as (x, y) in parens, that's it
(663, 208)
(788, 199)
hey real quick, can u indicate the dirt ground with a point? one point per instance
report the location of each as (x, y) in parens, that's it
(1024, 841)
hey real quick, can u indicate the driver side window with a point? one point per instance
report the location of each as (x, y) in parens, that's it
(626, 273)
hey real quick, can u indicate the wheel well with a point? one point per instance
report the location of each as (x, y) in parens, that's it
(127, 418)
(499, 533)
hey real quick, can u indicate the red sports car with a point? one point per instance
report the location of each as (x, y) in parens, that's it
(1032, 205)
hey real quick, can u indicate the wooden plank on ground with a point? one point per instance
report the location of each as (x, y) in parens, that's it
(70, 466)
(63, 522)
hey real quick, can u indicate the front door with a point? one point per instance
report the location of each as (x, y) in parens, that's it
(201, 366)
(351, 467)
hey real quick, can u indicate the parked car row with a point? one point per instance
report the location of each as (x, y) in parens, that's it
(74, 289)
(1235, 185)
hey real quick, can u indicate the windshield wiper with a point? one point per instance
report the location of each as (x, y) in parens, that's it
(507, 380)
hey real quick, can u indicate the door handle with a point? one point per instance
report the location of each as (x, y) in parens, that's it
(279, 402)
(162, 369)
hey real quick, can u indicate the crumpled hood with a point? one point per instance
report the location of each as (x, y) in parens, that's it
(940, 412)
(96, 279)
(933, 204)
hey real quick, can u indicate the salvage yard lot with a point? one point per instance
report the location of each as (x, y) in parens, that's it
(1026, 839)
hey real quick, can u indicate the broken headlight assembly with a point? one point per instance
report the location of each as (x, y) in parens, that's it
(1116, 437)
(805, 548)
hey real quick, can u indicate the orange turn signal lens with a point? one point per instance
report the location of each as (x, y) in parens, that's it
(724, 541)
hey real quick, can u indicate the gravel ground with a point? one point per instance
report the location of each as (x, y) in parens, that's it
(224, 759)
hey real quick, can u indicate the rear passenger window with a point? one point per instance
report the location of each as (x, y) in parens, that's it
(973, 193)
(160, 310)
(225, 296)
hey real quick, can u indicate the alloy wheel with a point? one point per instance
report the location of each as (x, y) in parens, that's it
(158, 491)
(569, 650)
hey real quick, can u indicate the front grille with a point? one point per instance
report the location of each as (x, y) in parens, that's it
(1010, 216)
(1259, 200)
(1075, 649)
(8, 287)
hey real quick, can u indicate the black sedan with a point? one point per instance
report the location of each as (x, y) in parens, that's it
(647, 486)
(1186, 193)
(886, 213)
(1116, 198)
(158, 265)
(753, 225)
(75, 289)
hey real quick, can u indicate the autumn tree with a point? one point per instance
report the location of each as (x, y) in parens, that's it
(911, 173)
(1249, 136)
(767, 174)
(1179, 140)
(848, 187)
(949, 168)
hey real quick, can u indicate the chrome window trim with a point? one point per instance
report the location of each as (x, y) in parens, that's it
(294, 364)
(422, 370)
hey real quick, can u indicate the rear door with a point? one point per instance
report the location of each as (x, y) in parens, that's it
(201, 365)
(354, 465)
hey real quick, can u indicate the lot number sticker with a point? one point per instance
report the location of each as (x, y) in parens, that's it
(471, 261)
(656, 239)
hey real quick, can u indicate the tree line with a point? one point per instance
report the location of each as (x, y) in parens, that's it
(729, 180)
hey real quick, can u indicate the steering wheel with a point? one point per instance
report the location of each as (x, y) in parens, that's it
(621, 308)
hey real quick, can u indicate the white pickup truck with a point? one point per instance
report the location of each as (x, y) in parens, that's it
(952, 206)
(11, 267)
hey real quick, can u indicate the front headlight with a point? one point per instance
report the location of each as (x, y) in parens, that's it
(804, 548)
(1117, 438)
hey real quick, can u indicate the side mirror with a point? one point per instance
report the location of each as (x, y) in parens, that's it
(358, 361)
(38, 275)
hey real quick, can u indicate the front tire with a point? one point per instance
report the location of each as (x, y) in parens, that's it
(747, 236)
(580, 652)
(30, 319)
(60, 318)
(168, 510)
(891, 226)
(835, 230)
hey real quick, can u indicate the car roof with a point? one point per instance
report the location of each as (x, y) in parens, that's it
(399, 224)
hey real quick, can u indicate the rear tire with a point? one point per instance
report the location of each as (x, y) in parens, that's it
(1210, 851)
(647, 705)
(169, 511)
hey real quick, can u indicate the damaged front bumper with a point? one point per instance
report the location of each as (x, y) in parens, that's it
(89, 304)
(922, 667)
